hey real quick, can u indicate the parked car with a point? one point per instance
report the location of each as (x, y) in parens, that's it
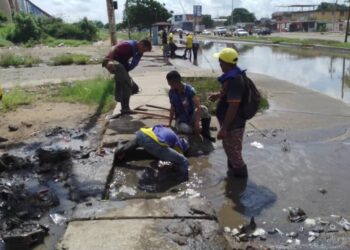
(220, 31)
(240, 32)
(206, 32)
(264, 31)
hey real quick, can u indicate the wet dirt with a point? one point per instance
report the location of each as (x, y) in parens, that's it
(38, 184)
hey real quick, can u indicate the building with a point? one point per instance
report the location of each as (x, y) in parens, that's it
(12, 6)
(310, 20)
(185, 21)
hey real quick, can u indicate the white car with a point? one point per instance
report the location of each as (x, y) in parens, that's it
(206, 32)
(240, 32)
(220, 31)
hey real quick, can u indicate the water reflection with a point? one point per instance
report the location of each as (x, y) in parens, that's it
(326, 73)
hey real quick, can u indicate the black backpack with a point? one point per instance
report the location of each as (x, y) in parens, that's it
(251, 98)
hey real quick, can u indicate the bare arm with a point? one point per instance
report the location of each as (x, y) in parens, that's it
(197, 115)
(172, 113)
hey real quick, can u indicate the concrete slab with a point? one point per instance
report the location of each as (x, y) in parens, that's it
(143, 234)
(146, 208)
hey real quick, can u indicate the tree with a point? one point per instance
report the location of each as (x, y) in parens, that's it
(143, 13)
(242, 15)
(331, 7)
(27, 28)
(207, 21)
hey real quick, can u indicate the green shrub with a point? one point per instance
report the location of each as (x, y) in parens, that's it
(14, 98)
(27, 27)
(9, 59)
(68, 59)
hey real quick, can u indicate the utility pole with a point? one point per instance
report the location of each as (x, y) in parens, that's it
(232, 16)
(111, 20)
(347, 26)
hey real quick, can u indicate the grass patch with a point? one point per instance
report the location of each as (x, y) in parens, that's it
(68, 59)
(98, 91)
(14, 98)
(53, 42)
(11, 59)
(207, 85)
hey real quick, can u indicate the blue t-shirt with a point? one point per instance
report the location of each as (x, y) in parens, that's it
(183, 103)
(168, 136)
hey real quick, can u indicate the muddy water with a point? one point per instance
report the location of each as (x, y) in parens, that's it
(317, 70)
(287, 170)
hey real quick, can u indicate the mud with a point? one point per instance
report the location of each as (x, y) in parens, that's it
(38, 187)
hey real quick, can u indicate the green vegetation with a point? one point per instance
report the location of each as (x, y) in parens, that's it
(10, 59)
(133, 35)
(14, 98)
(303, 42)
(52, 42)
(208, 85)
(99, 91)
(68, 59)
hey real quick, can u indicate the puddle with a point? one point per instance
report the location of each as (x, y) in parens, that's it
(321, 71)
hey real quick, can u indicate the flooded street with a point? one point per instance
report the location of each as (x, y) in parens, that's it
(318, 70)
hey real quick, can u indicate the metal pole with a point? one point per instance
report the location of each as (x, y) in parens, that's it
(347, 26)
(232, 15)
(111, 20)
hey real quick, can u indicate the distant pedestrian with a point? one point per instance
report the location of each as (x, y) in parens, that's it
(189, 45)
(117, 63)
(186, 107)
(228, 109)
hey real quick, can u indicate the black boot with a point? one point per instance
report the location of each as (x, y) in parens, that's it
(241, 172)
(206, 129)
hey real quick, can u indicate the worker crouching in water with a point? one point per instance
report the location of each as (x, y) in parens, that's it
(187, 109)
(162, 143)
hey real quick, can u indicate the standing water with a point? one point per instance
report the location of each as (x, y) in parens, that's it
(320, 71)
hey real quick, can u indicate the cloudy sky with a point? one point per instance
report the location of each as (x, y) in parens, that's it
(73, 10)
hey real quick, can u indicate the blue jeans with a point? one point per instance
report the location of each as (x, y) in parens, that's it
(162, 152)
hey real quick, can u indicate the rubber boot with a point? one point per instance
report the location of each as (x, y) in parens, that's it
(206, 129)
(241, 172)
(125, 109)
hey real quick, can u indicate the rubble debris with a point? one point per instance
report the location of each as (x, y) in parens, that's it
(296, 214)
(332, 229)
(310, 222)
(227, 230)
(322, 190)
(12, 128)
(318, 229)
(234, 232)
(292, 235)
(24, 237)
(10, 162)
(2, 139)
(249, 228)
(285, 146)
(52, 154)
(58, 219)
(311, 238)
(257, 145)
(345, 224)
(259, 232)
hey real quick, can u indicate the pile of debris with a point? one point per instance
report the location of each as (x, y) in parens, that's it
(311, 228)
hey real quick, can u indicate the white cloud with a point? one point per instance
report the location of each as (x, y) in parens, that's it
(74, 10)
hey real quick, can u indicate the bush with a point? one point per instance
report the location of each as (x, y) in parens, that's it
(3, 18)
(68, 59)
(10, 59)
(27, 28)
(14, 98)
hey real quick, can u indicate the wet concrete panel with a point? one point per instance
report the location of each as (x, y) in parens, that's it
(143, 208)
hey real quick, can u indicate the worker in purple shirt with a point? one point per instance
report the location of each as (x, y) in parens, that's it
(117, 62)
(162, 143)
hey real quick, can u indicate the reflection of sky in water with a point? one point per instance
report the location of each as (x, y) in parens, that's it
(322, 73)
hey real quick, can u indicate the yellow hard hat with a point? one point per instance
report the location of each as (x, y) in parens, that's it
(227, 55)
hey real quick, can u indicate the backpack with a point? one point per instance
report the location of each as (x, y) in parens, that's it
(251, 98)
